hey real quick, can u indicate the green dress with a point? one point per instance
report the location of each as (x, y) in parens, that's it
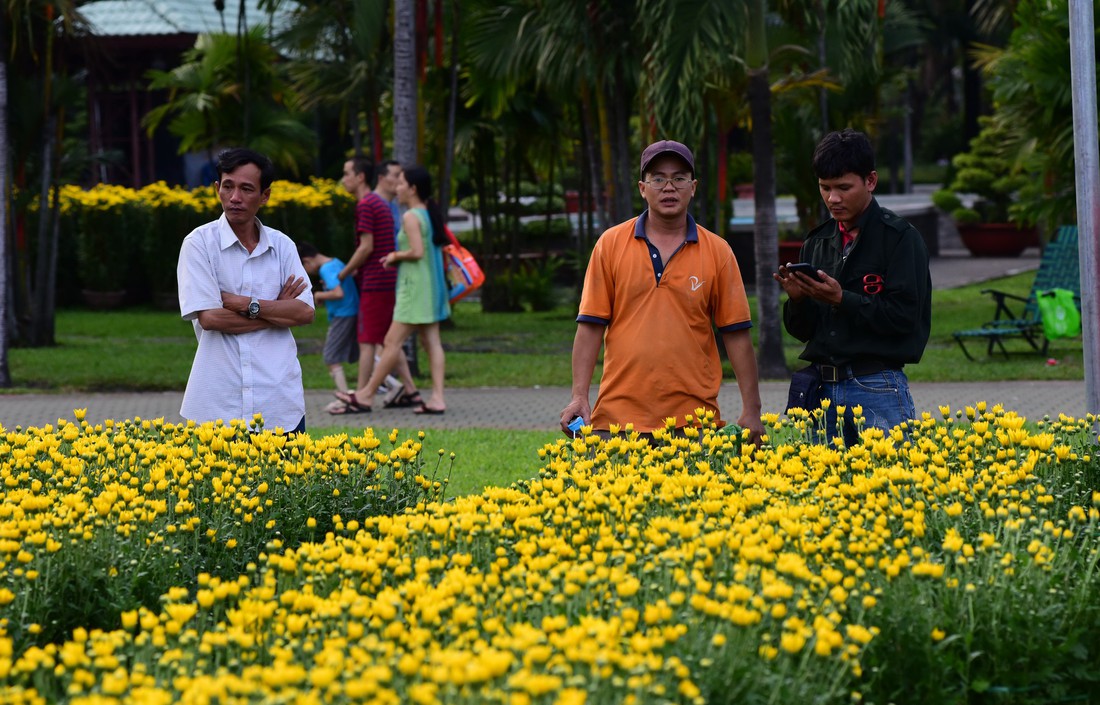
(422, 295)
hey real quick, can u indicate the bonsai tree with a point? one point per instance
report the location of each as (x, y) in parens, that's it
(986, 173)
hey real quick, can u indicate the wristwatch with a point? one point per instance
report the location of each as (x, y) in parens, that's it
(254, 308)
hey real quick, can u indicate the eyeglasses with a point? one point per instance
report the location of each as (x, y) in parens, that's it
(658, 182)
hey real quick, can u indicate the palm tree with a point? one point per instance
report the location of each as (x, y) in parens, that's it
(576, 51)
(5, 373)
(209, 106)
(339, 51)
(771, 360)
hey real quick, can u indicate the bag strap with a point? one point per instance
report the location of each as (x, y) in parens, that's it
(451, 236)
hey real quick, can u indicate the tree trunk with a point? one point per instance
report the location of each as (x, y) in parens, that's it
(770, 359)
(590, 123)
(623, 180)
(514, 225)
(5, 374)
(404, 82)
(41, 314)
(703, 172)
(452, 109)
(769, 352)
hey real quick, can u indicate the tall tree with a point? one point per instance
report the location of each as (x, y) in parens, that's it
(405, 103)
(452, 106)
(339, 57)
(568, 50)
(770, 359)
(5, 373)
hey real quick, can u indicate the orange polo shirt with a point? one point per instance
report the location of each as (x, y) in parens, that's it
(660, 354)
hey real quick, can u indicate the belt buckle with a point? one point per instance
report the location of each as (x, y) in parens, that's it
(829, 373)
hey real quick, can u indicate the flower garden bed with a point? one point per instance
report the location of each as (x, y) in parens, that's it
(115, 238)
(151, 562)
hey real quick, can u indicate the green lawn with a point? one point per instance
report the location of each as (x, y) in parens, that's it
(483, 457)
(145, 349)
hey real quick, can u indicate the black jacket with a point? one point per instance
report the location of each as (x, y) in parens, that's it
(886, 311)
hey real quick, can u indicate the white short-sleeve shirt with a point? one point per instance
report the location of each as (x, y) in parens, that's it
(235, 376)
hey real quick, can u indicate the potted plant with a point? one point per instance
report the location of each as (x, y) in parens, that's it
(993, 181)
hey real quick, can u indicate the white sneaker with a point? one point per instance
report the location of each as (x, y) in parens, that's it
(389, 384)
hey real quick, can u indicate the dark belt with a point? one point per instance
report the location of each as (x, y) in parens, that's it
(858, 368)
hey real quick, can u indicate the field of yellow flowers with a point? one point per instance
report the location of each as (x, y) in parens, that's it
(952, 561)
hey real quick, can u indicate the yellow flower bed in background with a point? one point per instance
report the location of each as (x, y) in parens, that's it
(695, 570)
(128, 238)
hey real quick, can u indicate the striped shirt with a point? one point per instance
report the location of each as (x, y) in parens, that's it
(373, 216)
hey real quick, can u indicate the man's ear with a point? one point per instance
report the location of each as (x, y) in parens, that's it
(872, 180)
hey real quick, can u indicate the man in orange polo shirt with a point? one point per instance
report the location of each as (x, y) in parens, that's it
(654, 288)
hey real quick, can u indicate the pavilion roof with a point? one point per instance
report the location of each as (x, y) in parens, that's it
(120, 18)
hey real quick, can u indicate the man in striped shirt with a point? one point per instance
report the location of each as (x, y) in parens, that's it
(374, 239)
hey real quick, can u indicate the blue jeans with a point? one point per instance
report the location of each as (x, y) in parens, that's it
(884, 396)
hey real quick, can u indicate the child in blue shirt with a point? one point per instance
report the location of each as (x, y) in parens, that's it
(341, 300)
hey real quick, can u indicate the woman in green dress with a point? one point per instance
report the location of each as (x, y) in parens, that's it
(422, 292)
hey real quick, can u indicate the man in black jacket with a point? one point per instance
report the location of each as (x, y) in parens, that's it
(865, 309)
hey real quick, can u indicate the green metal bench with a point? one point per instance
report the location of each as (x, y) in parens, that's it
(1059, 268)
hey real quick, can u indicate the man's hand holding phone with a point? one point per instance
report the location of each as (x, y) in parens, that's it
(805, 268)
(812, 284)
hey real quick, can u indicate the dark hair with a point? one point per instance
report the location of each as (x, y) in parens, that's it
(362, 164)
(385, 166)
(307, 249)
(845, 152)
(419, 178)
(231, 159)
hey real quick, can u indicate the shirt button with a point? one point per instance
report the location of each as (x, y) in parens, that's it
(653, 256)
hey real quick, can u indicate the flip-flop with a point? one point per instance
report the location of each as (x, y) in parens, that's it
(352, 405)
(404, 400)
(348, 409)
(423, 409)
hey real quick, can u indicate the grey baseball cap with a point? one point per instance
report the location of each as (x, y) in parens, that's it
(667, 147)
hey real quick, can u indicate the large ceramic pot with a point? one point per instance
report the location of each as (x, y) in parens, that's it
(997, 239)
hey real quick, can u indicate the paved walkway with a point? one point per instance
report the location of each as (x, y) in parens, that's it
(538, 408)
(534, 408)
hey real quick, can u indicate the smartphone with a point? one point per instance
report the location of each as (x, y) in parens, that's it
(803, 268)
